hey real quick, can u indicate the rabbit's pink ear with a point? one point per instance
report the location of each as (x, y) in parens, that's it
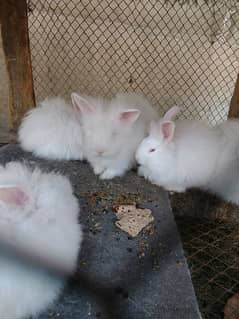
(171, 113)
(167, 129)
(81, 104)
(129, 116)
(13, 196)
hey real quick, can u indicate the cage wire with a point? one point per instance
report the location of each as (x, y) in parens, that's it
(175, 52)
(212, 250)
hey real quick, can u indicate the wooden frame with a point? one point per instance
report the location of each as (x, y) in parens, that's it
(234, 105)
(15, 38)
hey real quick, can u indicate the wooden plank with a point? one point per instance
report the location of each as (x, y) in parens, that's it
(234, 105)
(15, 38)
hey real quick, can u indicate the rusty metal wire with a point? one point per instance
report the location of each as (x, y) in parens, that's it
(213, 254)
(173, 53)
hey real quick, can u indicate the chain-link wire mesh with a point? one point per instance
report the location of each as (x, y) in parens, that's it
(209, 228)
(213, 254)
(184, 54)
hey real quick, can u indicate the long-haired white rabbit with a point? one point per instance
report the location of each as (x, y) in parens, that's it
(52, 130)
(112, 130)
(181, 154)
(40, 232)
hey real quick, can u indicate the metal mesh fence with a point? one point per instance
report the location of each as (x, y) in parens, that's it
(213, 254)
(184, 54)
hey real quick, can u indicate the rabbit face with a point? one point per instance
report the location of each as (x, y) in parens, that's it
(105, 128)
(156, 144)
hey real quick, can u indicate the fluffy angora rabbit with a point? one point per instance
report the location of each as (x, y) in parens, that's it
(182, 154)
(38, 219)
(112, 130)
(52, 130)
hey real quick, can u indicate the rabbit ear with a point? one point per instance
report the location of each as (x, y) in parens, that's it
(13, 196)
(129, 116)
(167, 129)
(81, 104)
(171, 113)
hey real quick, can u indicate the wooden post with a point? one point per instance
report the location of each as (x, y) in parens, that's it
(234, 105)
(15, 39)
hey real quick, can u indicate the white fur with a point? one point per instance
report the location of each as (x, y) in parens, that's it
(45, 226)
(52, 130)
(112, 130)
(226, 181)
(191, 155)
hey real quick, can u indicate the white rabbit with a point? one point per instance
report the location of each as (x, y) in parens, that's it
(182, 154)
(38, 219)
(52, 130)
(112, 130)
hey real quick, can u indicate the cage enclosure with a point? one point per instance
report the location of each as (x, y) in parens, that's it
(175, 52)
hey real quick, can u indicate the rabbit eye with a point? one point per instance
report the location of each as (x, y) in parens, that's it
(152, 150)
